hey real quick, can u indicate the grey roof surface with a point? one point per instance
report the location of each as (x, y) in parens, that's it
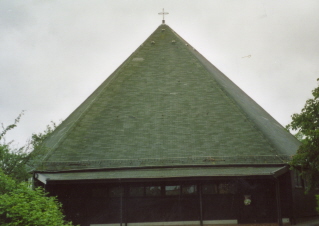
(167, 105)
(163, 173)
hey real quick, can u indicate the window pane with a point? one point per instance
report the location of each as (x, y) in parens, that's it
(189, 189)
(116, 191)
(209, 189)
(227, 188)
(99, 192)
(136, 191)
(298, 179)
(173, 190)
(153, 191)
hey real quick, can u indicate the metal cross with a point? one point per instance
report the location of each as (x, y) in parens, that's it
(163, 13)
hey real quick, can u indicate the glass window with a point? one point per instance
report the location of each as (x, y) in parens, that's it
(227, 188)
(209, 189)
(136, 191)
(99, 192)
(116, 191)
(306, 182)
(298, 179)
(153, 191)
(189, 189)
(173, 190)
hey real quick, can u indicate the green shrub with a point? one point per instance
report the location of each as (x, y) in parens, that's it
(22, 206)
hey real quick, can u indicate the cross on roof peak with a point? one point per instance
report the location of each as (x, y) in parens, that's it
(163, 13)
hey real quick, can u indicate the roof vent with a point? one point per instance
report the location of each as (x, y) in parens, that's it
(152, 42)
(173, 41)
(163, 30)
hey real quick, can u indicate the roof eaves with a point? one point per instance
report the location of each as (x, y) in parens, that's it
(163, 173)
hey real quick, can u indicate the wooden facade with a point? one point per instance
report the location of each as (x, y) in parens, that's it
(177, 201)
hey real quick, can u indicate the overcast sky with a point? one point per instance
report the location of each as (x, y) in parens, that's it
(53, 54)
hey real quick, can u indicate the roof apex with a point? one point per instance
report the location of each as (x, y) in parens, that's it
(167, 105)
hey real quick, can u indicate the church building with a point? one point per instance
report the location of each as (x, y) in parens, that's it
(168, 139)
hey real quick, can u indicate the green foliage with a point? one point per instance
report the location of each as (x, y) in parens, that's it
(7, 184)
(13, 160)
(37, 139)
(20, 205)
(306, 124)
(10, 127)
(317, 197)
(17, 162)
(38, 149)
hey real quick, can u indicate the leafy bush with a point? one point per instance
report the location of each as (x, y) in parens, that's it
(22, 206)
(18, 162)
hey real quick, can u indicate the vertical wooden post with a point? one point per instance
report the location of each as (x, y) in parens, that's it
(293, 212)
(278, 202)
(125, 203)
(200, 204)
(121, 202)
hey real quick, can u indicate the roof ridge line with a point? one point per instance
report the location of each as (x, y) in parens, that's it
(224, 91)
(256, 125)
(98, 93)
(110, 125)
(260, 109)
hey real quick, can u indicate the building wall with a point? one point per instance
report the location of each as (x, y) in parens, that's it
(304, 202)
(169, 201)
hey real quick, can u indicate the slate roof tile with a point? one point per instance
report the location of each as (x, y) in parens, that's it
(167, 105)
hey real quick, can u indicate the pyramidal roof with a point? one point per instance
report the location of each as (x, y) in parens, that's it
(166, 105)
